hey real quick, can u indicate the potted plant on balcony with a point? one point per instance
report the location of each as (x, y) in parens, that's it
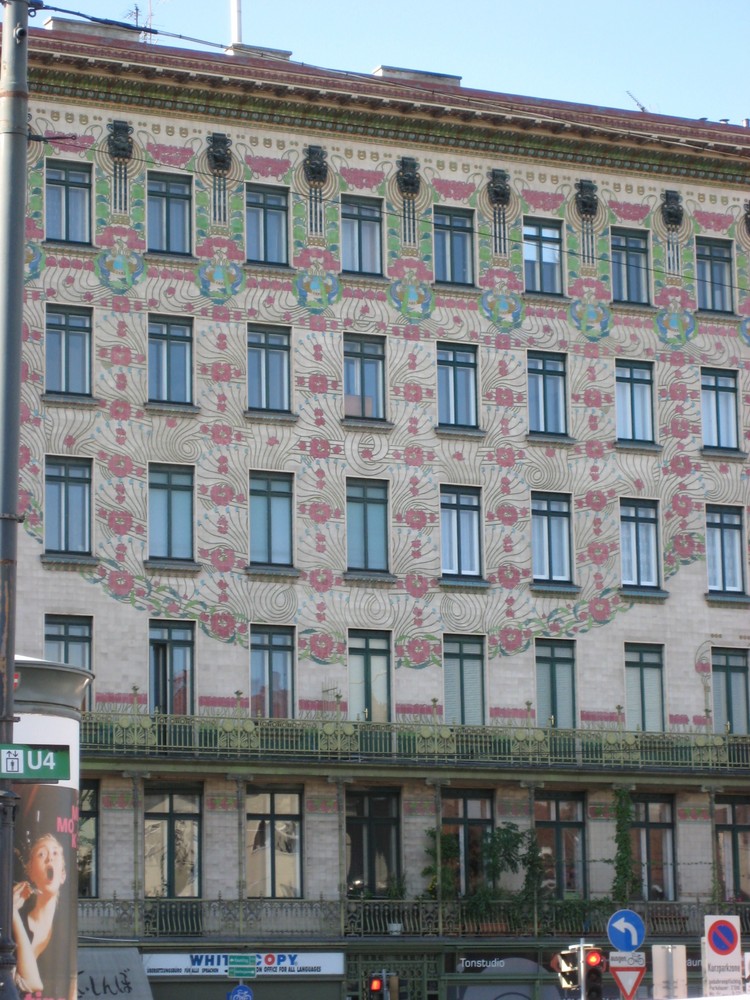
(395, 890)
(488, 904)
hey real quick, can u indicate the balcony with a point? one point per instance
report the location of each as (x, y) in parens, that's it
(430, 745)
(325, 921)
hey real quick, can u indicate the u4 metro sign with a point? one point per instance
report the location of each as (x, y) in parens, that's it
(19, 762)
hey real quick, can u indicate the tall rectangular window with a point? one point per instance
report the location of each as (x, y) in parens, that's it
(714, 267)
(67, 351)
(364, 377)
(457, 385)
(724, 550)
(467, 818)
(454, 235)
(547, 393)
(170, 512)
(369, 676)
(367, 525)
(170, 364)
(644, 689)
(639, 548)
(268, 378)
(652, 840)
(460, 531)
(550, 537)
(555, 684)
(270, 519)
(719, 408)
(68, 198)
(67, 506)
(87, 855)
(271, 671)
(542, 256)
(171, 668)
(266, 221)
(169, 214)
(463, 670)
(172, 842)
(372, 836)
(360, 235)
(634, 401)
(629, 266)
(273, 843)
(67, 639)
(561, 834)
(732, 823)
(729, 674)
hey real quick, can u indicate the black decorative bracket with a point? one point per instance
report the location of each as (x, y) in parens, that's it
(119, 141)
(672, 211)
(315, 166)
(587, 200)
(407, 177)
(498, 188)
(219, 153)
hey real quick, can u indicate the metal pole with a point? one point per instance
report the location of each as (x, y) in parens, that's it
(14, 129)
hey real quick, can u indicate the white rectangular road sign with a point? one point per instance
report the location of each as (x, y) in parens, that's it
(721, 950)
(628, 969)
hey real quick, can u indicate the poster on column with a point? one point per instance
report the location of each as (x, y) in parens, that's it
(44, 891)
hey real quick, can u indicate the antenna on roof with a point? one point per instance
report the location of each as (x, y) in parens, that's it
(236, 14)
(641, 107)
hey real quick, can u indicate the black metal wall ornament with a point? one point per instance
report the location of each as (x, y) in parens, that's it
(747, 216)
(587, 200)
(120, 149)
(315, 170)
(408, 182)
(672, 214)
(219, 156)
(498, 192)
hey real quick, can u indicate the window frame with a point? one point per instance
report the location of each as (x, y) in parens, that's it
(630, 266)
(273, 350)
(547, 393)
(464, 826)
(364, 363)
(457, 374)
(732, 663)
(66, 331)
(714, 278)
(172, 817)
(551, 657)
(374, 504)
(372, 649)
(448, 236)
(719, 385)
(643, 832)
(266, 210)
(724, 548)
(544, 520)
(535, 245)
(274, 817)
(647, 660)
(70, 646)
(165, 640)
(370, 823)
(467, 669)
(353, 212)
(629, 390)
(644, 518)
(455, 502)
(68, 186)
(265, 497)
(735, 830)
(557, 868)
(168, 343)
(175, 533)
(161, 213)
(272, 643)
(71, 516)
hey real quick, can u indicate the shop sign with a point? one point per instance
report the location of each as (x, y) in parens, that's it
(266, 964)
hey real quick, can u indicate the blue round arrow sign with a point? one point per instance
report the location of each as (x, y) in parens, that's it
(626, 930)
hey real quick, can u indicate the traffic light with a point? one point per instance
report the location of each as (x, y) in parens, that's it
(376, 986)
(566, 966)
(593, 967)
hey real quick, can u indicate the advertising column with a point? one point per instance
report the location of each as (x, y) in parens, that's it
(48, 699)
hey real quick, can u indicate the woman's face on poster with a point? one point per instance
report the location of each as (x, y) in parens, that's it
(46, 867)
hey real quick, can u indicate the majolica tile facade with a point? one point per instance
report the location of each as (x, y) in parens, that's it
(377, 432)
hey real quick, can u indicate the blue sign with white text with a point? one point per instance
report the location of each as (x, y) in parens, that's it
(626, 930)
(240, 992)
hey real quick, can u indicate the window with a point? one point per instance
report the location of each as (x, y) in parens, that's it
(460, 531)
(360, 235)
(170, 512)
(171, 668)
(273, 843)
(67, 506)
(369, 676)
(271, 666)
(170, 364)
(714, 266)
(266, 219)
(638, 543)
(453, 246)
(372, 835)
(364, 377)
(67, 351)
(172, 841)
(270, 519)
(555, 684)
(560, 831)
(87, 856)
(68, 195)
(367, 525)
(729, 673)
(467, 821)
(463, 669)
(724, 549)
(629, 266)
(719, 408)
(644, 693)
(550, 537)
(652, 839)
(169, 210)
(732, 823)
(457, 386)
(268, 369)
(634, 401)
(547, 393)
(67, 639)
(542, 257)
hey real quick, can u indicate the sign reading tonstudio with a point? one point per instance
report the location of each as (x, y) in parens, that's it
(267, 964)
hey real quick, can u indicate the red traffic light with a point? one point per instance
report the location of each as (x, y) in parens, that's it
(594, 959)
(376, 984)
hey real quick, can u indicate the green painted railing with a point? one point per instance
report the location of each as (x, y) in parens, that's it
(240, 738)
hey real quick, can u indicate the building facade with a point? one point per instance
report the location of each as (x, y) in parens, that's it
(385, 458)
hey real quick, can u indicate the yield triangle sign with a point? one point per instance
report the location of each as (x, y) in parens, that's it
(628, 980)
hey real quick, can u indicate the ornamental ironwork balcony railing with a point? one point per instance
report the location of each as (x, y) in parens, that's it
(240, 738)
(329, 920)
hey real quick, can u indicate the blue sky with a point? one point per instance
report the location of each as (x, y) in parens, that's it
(677, 57)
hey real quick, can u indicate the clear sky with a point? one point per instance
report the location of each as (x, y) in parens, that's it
(677, 57)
